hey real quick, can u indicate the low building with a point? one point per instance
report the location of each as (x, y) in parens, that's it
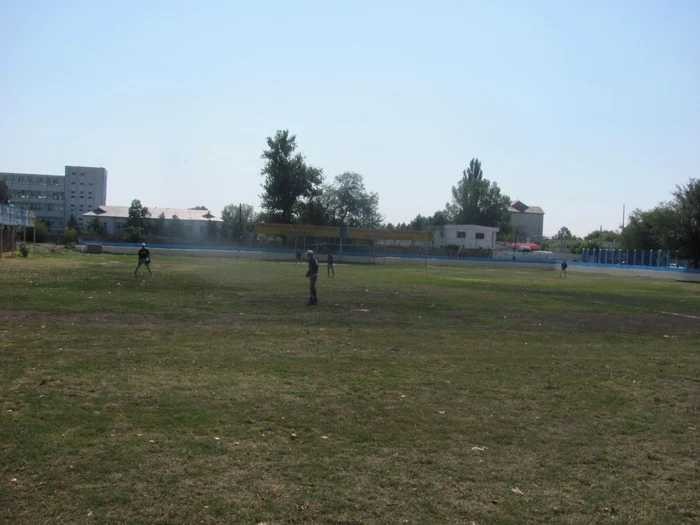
(526, 221)
(54, 198)
(470, 236)
(113, 219)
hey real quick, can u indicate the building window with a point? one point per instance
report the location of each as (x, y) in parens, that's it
(461, 235)
(479, 236)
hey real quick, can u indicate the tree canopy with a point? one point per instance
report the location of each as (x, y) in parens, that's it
(288, 181)
(476, 200)
(673, 225)
(138, 214)
(564, 234)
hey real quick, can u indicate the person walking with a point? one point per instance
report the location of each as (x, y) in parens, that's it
(564, 266)
(144, 259)
(312, 274)
(329, 260)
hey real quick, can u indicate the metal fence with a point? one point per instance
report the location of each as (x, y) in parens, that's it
(645, 258)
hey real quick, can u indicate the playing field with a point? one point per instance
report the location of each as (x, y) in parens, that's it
(212, 394)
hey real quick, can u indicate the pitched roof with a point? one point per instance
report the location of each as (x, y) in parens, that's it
(122, 212)
(521, 207)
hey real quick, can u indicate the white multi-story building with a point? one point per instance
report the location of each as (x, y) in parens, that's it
(54, 198)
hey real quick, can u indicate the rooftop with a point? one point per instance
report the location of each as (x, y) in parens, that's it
(521, 207)
(122, 212)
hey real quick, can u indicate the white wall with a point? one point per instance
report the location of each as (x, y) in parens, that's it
(470, 231)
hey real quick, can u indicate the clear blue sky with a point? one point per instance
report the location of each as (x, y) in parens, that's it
(574, 106)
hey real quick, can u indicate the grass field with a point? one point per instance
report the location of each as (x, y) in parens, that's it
(212, 394)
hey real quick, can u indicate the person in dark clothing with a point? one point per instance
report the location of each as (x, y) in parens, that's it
(144, 259)
(312, 274)
(298, 256)
(564, 266)
(329, 260)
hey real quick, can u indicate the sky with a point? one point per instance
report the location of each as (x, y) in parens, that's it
(575, 106)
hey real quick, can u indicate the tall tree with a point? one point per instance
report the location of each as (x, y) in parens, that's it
(4, 192)
(476, 200)
(687, 206)
(158, 226)
(137, 215)
(564, 234)
(72, 223)
(654, 229)
(288, 180)
(235, 217)
(605, 235)
(348, 202)
(175, 227)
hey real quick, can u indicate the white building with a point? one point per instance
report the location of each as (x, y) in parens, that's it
(53, 198)
(113, 219)
(527, 221)
(470, 236)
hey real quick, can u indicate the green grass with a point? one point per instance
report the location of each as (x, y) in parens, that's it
(211, 394)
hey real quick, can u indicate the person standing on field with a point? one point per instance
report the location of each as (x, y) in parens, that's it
(330, 264)
(144, 259)
(312, 274)
(564, 266)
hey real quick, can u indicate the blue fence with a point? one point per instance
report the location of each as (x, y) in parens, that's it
(644, 258)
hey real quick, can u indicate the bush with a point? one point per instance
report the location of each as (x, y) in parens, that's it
(23, 250)
(69, 237)
(133, 234)
(41, 231)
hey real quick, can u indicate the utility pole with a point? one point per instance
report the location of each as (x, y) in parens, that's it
(623, 216)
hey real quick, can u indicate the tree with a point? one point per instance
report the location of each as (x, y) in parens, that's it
(41, 230)
(476, 200)
(95, 227)
(4, 192)
(175, 227)
(158, 226)
(288, 180)
(606, 236)
(419, 222)
(133, 233)
(687, 208)
(235, 217)
(351, 204)
(212, 229)
(72, 223)
(440, 218)
(564, 234)
(69, 236)
(654, 229)
(203, 208)
(138, 215)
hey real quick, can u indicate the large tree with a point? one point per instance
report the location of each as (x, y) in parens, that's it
(235, 216)
(687, 207)
(476, 200)
(288, 180)
(564, 234)
(350, 204)
(654, 229)
(138, 215)
(72, 223)
(4, 192)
